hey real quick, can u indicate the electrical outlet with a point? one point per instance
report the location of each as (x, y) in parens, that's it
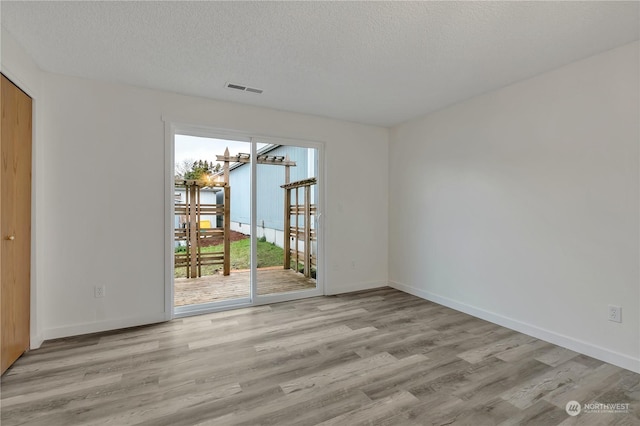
(98, 291)
(615, 313)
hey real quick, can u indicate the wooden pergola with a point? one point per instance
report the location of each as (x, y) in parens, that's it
(300, 231)
(191, 233)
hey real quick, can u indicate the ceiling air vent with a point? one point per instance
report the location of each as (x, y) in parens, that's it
(235, 86)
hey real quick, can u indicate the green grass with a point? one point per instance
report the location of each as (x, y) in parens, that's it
(268, 255)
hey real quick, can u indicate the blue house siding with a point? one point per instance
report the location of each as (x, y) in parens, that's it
(270, 196)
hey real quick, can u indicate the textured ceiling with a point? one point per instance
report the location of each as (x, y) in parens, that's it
(371, 62)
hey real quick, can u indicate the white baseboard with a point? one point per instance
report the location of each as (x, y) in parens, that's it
(598, 352)
(98, 326)
(36, 341)
(348, 288)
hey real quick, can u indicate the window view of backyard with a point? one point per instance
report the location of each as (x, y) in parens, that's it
(212, 198)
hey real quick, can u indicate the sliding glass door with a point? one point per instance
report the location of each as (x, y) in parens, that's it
(245, 226)
(212, 223)
(286, 219)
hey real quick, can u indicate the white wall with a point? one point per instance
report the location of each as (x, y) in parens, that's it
(521, 206)
(108, 139)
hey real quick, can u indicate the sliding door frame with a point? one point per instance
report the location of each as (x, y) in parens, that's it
(171, 129)
(299, 294)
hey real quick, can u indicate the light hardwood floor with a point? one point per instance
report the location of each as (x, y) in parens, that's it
(376, 357)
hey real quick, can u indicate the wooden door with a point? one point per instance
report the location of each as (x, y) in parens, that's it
(15, 222)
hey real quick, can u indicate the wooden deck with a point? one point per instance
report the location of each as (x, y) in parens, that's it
(214, 288)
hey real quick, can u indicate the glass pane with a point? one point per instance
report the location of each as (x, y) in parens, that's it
(212, 221)
(286, 219)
